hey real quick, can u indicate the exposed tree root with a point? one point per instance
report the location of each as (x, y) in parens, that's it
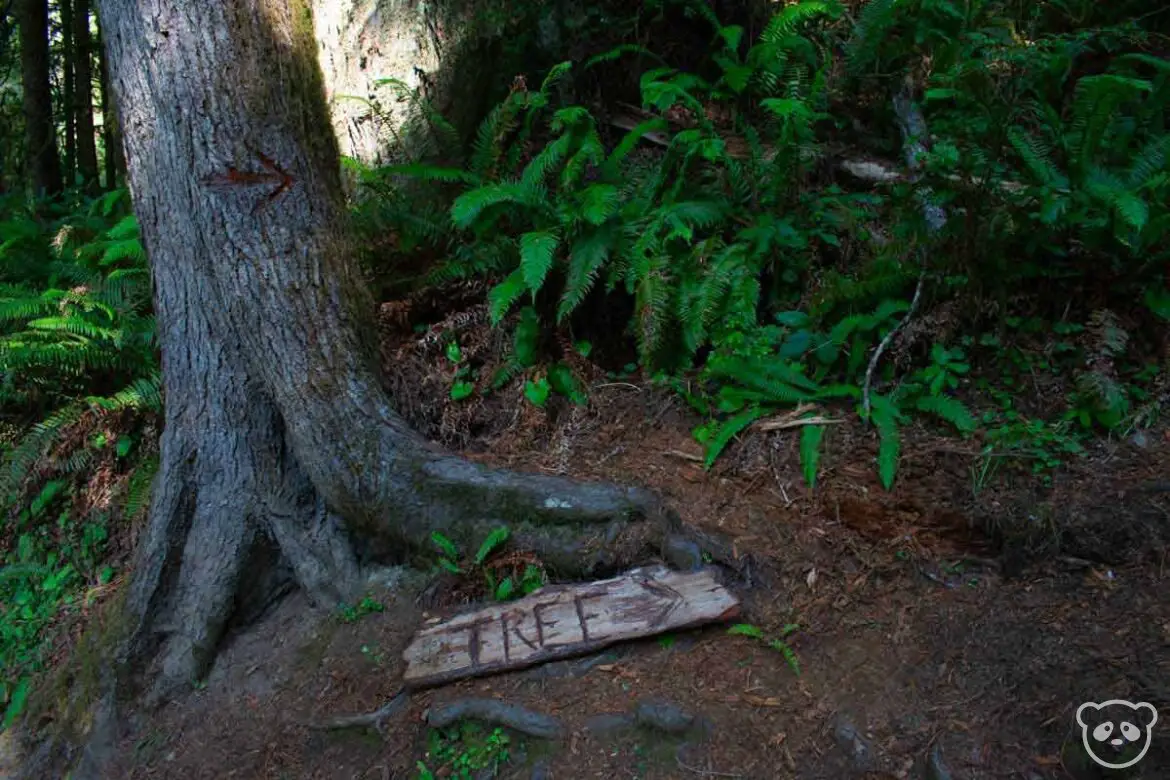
(496, 713)
(375, 720)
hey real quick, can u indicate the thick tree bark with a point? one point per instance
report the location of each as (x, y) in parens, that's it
(87, 166)
(278, 440)
(44, 167)
(69, 161)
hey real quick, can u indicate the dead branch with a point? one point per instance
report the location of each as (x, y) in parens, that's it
(885, 342)
(779, 424)
(914, 132)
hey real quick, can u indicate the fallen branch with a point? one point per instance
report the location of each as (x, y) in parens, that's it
(375, 720)
(779, 424)
(885, 342)
(872, 171)
(913, 127)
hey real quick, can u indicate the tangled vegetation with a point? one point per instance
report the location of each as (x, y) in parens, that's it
(759, 276)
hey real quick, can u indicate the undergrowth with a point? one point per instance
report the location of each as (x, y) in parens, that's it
(80, 398)
(760, 280)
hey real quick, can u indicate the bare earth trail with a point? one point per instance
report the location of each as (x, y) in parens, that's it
(913, 641)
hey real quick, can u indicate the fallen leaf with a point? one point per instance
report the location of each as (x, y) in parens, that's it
(811, 579)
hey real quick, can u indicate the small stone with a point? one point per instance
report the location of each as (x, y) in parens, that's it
(663, 716)
(851, 741)
(682, 554)
(1140, 440)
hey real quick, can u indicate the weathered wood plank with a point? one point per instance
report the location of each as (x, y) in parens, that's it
(567, 620)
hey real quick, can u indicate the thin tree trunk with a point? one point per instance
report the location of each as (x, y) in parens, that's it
(43, 165)
(113, 161)
(278, 436)
(69, 161)
(87, 166)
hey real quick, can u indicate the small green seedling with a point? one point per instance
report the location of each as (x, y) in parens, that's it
(353, 613)
(776, 643)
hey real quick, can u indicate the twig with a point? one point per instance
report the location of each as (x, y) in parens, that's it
(775, 424)
(376, 719)
(705, 772)
(684, 455)
(881, 347)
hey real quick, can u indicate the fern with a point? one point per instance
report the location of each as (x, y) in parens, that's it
(537, 252)
(874, 22)
(503, 295)
(949, 410)
(586, 259)
(810, 451)
(728, 431)
(886, 418)
(138, 491)
(618, 52)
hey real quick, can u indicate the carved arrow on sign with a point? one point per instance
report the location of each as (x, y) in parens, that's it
(566, 620)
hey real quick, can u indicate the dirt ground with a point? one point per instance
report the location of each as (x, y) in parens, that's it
(924, 651)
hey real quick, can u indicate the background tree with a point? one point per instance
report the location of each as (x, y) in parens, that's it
(82, 98)
(113, 163)
(44, 167)
(301, 460)
(68, 91)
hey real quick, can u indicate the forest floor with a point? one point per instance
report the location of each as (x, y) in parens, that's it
(925, 649)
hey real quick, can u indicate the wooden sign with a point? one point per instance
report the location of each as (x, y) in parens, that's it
(565, 620)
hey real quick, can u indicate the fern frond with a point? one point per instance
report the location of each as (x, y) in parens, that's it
(586, 259)
(948, 409)
(470, 205)
(138, 490)
(810, 452)
(1037, 156)
(728, 431)
(873, 24)
(789, 20)
(503, 295)
(620, 51)
(537, 252)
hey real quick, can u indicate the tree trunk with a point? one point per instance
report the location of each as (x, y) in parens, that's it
(69, 161)
(279, 443)
(113, 162)
(44, 167)
(87, 167)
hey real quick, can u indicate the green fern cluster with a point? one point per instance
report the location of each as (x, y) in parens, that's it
(1103, 170)
(687, 239)
(798, 362)
(77, 336)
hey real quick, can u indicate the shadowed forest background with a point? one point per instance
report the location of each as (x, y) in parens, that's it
(872, 295)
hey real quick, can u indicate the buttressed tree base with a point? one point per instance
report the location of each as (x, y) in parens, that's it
(281, 452)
